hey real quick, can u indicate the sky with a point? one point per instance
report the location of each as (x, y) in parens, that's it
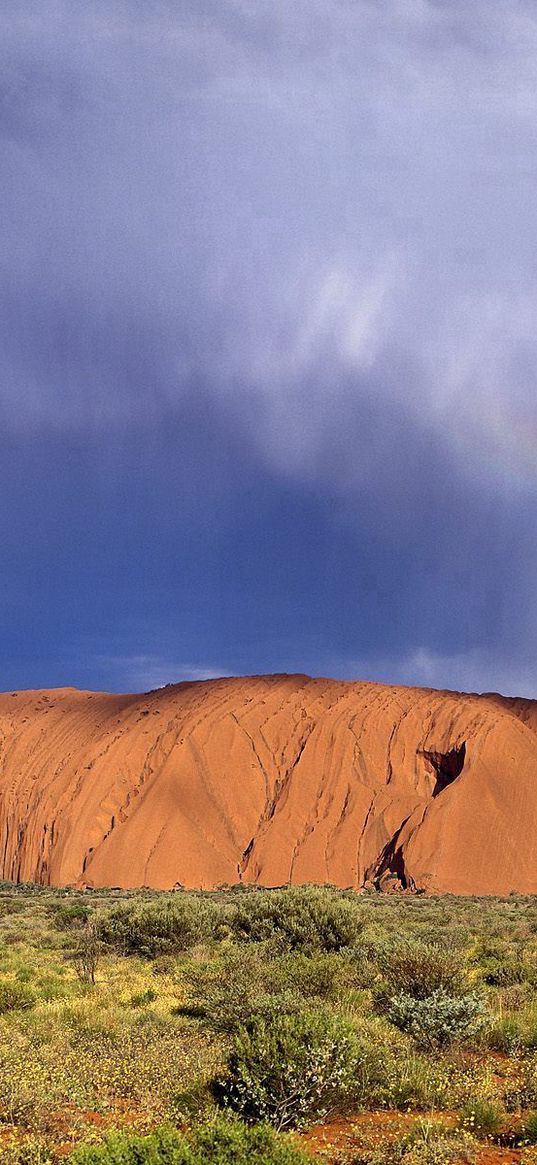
(268, 352)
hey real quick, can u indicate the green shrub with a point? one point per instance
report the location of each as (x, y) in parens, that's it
(142, 998)
(409, 1081)
(420, 969)
(529, 1036)
(158, 928)
(305, 918)
(319, 975)
(221, 1142)
(505, 1035)
(482, 1118)
(530, 1128)
(289, 1069)
(193, 1104)
(15, 996)
(226, 992)
(504, 972)
(70, 915)
(438, 1019)
(232, 1143)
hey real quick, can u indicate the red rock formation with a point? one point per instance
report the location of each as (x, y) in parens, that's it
(270, 779)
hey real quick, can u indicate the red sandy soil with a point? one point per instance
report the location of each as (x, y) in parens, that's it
(377, 1130)
(270, 780)
(71, 1125)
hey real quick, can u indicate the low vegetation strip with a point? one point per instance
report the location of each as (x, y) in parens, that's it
(181, 1027)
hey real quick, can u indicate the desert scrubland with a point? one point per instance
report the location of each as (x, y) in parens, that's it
(266, 1026)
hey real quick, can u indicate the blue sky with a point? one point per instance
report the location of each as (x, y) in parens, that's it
(268, 352)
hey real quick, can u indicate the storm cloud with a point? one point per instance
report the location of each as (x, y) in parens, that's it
(268, 340)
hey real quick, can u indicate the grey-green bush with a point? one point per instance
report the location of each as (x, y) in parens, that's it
(159, 928)
(306, 918)
(439, 1019)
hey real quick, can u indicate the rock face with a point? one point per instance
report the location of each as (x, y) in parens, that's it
(270, 779)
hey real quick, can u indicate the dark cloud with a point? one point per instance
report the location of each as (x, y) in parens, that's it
(268, 347)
